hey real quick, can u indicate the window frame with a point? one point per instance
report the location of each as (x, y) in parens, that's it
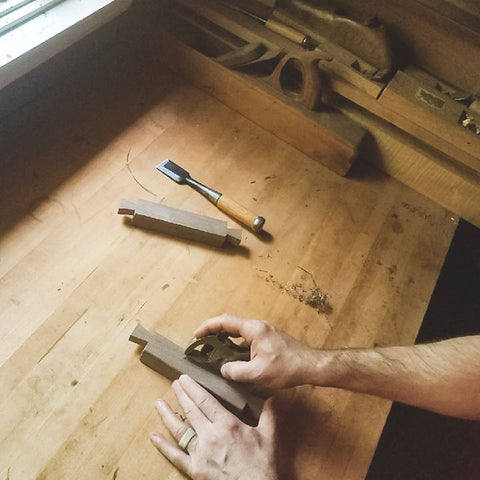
(56, 26)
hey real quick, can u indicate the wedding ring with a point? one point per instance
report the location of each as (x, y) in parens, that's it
(187, 437)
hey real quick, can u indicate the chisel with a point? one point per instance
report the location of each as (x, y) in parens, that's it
(224, 203)
(279, 27)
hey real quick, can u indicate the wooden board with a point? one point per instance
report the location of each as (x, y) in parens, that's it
(326, 135)
(442, 178)
(399, 112)
(424, 169)
(426, 37)
(424, 108)
(337, 59)
(75, 281)
(408, 101)
(169, 360)
(180, 223)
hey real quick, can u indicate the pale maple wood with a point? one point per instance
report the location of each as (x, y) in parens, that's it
(180, 223)
(426, 35)
(326, 136)
(448, 139)
(429, 158)
(422, 107)
(75, 280)
(238, 212)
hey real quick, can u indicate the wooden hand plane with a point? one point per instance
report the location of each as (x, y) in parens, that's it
(213, 351)
(168, 359)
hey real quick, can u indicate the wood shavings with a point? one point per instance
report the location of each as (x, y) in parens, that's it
(311, 296)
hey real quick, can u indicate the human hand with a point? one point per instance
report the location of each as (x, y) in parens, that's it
(222, 447)
(277, 360)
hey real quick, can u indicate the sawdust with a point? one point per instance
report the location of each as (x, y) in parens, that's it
(311, 296)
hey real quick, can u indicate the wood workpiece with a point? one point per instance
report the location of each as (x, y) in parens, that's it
(180, 223)
(76, 401)
(169, 360)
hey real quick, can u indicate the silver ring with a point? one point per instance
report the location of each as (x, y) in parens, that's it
(187, 437)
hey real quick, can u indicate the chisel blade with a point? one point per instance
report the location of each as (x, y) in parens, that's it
(173, 171)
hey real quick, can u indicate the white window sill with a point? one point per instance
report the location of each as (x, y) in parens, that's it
(42, 37)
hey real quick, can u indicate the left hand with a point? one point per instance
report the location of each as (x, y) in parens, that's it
(223, 448)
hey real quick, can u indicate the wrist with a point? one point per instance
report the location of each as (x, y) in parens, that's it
(309, 366)
(325, 368)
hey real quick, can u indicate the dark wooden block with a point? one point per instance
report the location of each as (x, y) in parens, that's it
(168, 359)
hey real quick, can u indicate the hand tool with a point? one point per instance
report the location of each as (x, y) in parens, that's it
(212, 351)
(361, 34)
(249, 55)
(224, 203)
(242, 56)
(300, 78)
(309, 24)
(168, 359)
(279, 27)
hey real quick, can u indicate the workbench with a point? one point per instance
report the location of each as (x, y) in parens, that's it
(76, 278)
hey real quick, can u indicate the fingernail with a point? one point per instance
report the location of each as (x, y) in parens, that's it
(159, 403)
(155, 437)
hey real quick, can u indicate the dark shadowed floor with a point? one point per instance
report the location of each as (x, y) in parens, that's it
(421, 445)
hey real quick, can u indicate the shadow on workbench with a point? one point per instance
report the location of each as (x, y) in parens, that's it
(416, 444)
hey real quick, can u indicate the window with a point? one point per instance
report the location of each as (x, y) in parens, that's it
(16, 12)
(32, 31)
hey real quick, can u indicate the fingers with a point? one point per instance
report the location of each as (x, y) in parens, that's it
(172, 452)
(267, 422)
(199, 405)
(239, 371)
(229, 323)
(235, 326)
(176, 426)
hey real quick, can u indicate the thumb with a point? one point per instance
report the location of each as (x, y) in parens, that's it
(239, 371)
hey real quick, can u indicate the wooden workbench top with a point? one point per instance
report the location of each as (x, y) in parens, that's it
(75, 277)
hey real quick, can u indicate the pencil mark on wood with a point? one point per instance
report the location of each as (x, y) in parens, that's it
(135, 178)
(62, 336)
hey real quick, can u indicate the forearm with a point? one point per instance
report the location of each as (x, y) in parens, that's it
(443, 377)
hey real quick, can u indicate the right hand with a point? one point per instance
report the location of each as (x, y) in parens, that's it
(277, 360)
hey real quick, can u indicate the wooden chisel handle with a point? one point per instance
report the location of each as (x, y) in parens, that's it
(290, 33)
(237, 211)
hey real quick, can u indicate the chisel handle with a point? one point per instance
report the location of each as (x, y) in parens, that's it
(240, 213)
(290, 33)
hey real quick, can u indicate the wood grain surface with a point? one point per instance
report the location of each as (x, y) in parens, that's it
(419, 153)
(75, 279)
(168, 359)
